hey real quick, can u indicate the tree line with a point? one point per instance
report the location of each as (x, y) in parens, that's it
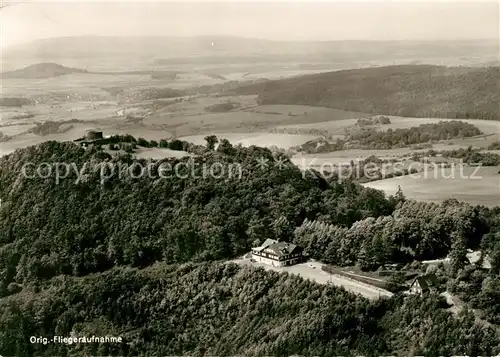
(414, 231)
(370, 138)
(473, 156)
(381, 119)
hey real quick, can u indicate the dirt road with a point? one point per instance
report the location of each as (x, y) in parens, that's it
(312, 270)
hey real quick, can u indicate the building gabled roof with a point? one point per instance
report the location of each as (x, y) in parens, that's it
(426, 281)
(283, 248)
(264, 245)
(269, 242)
(278, 248)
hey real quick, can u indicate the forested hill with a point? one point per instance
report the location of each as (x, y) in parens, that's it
(124, 254)
(41, 70)
(406, 90)
(83, 226)
(110, 215)
(224, 310)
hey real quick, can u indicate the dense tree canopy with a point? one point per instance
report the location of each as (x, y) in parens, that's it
(222, 309)
(443, 130)
(415, 231)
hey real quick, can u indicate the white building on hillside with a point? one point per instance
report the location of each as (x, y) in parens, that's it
(277, 253)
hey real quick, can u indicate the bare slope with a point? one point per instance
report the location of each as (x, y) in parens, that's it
(407, 90)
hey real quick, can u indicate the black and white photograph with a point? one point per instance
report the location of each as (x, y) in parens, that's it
(249, 178)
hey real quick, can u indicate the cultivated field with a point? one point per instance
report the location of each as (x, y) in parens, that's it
(309, 114)
(478, 186)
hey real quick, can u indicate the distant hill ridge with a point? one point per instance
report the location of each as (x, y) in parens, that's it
(404, 90)
(42, 70)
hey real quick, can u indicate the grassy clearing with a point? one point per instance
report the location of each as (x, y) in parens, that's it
(90, 83)
(187, 110)
(236, 122)
(12, 130)
(478, 142)
(14, 114)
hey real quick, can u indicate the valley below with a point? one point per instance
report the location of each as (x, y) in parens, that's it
(138, 184)
(156, 109)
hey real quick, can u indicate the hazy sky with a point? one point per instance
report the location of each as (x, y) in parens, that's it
(30, 20)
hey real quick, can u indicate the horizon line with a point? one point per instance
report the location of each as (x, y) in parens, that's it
(497, 39)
